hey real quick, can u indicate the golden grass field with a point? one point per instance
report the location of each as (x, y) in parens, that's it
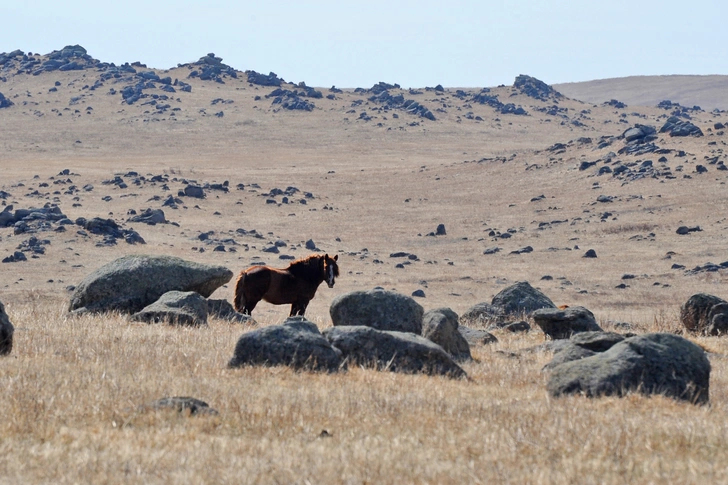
(72, 388)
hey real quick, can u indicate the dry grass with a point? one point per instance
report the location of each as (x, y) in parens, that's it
(72, 388)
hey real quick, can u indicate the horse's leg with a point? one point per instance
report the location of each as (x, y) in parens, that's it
(299, 308)
(256, 285)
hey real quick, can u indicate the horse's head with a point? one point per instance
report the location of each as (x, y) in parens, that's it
(331, 269)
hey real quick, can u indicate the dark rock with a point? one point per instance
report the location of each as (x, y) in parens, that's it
(675, 126)
(392, 351)
(477, 336)
(380, 309)
(418, 293)
(16, 257)
(6, 332)
(562, 324)
(657, 363)
(5, 102)
(640, 134)
(175, 307)
(697, 313)
(310, 245)
(297, 343)
(590, 254)
(150, 216)
(441, 327)
(521, 298)
(130, 283)
(194, 191)
(440, 231)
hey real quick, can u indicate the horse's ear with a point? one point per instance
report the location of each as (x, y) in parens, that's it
(336, 257)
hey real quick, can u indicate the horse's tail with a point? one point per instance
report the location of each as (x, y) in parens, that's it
(239, 299)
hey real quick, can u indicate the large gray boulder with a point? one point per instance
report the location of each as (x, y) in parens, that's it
(557, 323)
(6, 332)
(378, 308)
(656, 363)
(296, 343)
(175, 307)
(130, 283)
(521, 298)
(392, 351)
(698, 312)
(441, 326)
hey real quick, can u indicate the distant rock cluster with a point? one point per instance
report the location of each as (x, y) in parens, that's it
(491, 100)
(381, 95)
(535, 88)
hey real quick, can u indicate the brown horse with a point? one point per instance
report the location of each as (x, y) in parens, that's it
(296, 284)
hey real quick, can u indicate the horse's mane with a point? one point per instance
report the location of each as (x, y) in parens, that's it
(306, 266)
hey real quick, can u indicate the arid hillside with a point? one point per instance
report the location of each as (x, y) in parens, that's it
(708, 92)
(607, 204)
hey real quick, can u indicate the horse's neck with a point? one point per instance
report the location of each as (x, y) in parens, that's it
(307, 271)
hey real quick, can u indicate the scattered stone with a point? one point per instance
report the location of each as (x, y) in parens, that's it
(296, 343)
(130, 283)
(6, 332)
(176, 308)
(16, 257)
(683, 230)
(392, 351)
(590, 254)
(441, 327)
(418, 293)
(377, 308)
(657, 363)
(440, 231)
(562, 324)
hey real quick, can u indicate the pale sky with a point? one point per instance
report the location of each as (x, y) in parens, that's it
(456, 43)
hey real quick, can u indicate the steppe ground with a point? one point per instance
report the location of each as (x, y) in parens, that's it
(72, 387)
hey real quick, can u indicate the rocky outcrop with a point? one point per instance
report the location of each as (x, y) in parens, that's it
(377, 308)
(392, 351)
(441, 326)
(130, 283)
(521, 298)
(657, 363)
(176, 308)
(297, 343)
(675, 126)
(562, 324)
